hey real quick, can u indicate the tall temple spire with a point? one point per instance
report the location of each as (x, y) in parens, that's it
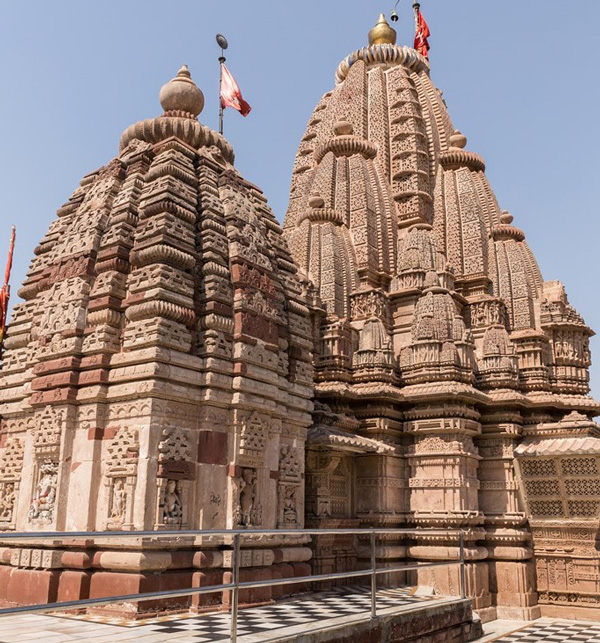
(382, 33)
(440, 334)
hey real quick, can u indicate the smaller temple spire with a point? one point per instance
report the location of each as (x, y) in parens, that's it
(181, 94)
(382, 33)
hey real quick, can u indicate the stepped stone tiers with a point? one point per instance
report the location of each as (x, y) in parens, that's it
(451, 381)
(158, 374)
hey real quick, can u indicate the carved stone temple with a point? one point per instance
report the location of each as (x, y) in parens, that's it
(392, 357)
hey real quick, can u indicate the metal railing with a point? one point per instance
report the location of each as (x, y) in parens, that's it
(236, 585)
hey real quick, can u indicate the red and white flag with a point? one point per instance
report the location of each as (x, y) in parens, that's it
(231, 96)
(421, 35)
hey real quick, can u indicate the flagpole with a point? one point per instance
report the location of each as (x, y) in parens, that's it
(11, 249)
(5, 291)
(416, 7)
(221, 61)
(223, 44)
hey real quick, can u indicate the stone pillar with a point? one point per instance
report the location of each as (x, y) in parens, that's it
(507, 537)
(444, 494)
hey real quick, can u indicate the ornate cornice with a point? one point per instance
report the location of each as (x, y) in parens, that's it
(504, 232)
(190, 131)
(385, 55)
(346, 146)
(322, 215)
(455, 158)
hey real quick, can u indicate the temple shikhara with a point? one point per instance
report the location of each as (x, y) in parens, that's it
(389, 357)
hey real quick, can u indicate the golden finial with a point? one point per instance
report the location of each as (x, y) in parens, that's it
(382, 33)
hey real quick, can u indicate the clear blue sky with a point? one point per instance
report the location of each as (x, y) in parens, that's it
(519, 77)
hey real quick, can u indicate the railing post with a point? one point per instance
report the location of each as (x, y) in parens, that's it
(235, 564)
(373, 577)
(461, 540)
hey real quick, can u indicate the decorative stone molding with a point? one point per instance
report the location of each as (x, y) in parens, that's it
(386, 55)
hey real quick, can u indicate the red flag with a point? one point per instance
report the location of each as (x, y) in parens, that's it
(231, 96)
(5, 290)
(421, 35)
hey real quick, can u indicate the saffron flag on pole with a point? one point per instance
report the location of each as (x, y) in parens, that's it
(421, 35)
(5, 290)
(231, 96)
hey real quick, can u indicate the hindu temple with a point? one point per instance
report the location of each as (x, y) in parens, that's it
(389, 357)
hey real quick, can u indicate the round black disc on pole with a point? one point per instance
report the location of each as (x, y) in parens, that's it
(222, 41)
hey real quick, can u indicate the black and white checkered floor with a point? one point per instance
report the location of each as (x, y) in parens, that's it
(554, 632)
(273, 623)
(350, 601)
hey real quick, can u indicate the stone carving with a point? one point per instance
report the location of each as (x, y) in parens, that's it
(118, 500)
(487, 313)
(11, 466)
(174, 445)
(175, 470)
(43, 501)
(369, 304)
(288, 487)
(48, 433)
(290, 466)
(8, 497)
(249, 508)
(64, 307)
(121, 477)
(123, 452)
(254, 436)
(171, 504)
(258, 303)
(374, 345)
(290, 510)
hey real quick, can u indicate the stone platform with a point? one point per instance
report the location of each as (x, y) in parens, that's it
(336, 615)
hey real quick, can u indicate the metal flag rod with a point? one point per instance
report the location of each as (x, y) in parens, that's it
(5, 290)
(223, 44)
(10, 256)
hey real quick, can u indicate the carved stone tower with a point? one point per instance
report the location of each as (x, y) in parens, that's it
(438, 349)
(158, 374)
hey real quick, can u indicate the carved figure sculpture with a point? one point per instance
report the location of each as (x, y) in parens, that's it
(290, 512)
(7, 502)
(119, 500)
(247, 490)
(42, 503)
(171, 504)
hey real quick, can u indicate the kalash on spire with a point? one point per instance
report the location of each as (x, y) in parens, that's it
(382, 33)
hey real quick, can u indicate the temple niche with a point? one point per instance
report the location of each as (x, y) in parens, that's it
(391, 358)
